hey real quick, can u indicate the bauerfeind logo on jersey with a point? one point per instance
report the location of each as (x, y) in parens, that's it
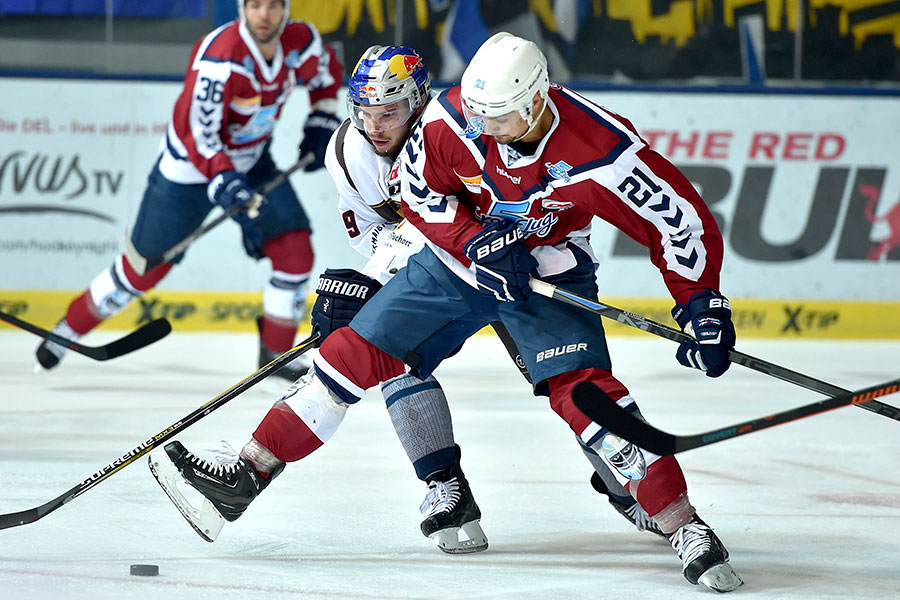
(560, 350)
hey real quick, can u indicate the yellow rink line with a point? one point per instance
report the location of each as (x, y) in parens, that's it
(237, 311)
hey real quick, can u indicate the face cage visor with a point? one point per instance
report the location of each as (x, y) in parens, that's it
(375, 118)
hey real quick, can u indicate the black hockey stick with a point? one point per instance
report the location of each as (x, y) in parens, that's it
(33, 514)
(599, 407)
(142, 336)
(757, 364)
(143, 265)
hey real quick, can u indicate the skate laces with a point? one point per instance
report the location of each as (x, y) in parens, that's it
(221, 461)
(641, 519)
(442, 496)
(691, 540)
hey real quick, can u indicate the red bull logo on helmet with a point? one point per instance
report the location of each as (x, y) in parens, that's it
(404, 65)
(367, 91)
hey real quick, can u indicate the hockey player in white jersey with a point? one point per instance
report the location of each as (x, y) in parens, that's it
(388, 90)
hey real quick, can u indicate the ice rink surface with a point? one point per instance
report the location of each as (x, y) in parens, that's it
(808, 510)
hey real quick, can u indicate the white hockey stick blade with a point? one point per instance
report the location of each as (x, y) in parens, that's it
(448, 539)
(206, 520)
(721, 578)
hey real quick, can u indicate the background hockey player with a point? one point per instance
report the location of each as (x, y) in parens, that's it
(215, 152)
(503, 175)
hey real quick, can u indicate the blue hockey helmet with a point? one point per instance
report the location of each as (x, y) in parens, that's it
(387, 75)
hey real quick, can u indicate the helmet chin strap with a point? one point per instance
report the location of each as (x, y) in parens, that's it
(532, 123)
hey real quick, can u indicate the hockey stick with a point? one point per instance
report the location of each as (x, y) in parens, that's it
(757, 364)
(33, 514)
(599, 407)
(143, 265)
(142, 336)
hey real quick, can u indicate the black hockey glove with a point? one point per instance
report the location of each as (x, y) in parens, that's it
(228, 188)
(706, 316)
(503, 264)
(339, 296)
(316, 133)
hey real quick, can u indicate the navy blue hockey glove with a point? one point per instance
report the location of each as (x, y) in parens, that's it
(339, 296)
(229, 188)
(316, 133)
(503, 264)
(706, 316)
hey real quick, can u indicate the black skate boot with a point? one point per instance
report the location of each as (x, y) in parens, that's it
(448, 507)
(633, 512)
(704, 557)
(290, 372)
(227, 486)
(49, 353)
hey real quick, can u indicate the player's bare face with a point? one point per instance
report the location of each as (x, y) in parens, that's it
(263, 19)
(387, 126)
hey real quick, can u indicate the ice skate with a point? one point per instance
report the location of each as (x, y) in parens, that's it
(450, 507)
(704, 557)
(226, 483)
(49, 353)
(289, 373)
(635, 515)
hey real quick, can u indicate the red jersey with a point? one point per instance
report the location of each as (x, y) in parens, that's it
(591, 163)
(232, 98)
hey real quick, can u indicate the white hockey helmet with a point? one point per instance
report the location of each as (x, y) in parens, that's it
(284, 20)
(503, 76)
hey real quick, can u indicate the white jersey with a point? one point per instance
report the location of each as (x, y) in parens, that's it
(369, 204)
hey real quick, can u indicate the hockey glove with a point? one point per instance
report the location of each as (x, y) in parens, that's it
(707, 317)
(229, 188)
(339, 296)
(502, 262)
(316, 133)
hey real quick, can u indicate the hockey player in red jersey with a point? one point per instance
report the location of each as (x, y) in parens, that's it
(504, 175)
(215, 152)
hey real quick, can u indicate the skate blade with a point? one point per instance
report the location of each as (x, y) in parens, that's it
(721, 578)
(448, 539)
(206, 520)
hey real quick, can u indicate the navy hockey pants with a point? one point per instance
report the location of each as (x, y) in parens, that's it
(170, 211)
(426, 311)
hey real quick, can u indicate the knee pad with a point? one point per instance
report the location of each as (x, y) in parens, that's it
(111, 291)
(284, 296)
(317, 407)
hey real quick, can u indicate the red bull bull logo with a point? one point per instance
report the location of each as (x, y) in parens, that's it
(403, 65)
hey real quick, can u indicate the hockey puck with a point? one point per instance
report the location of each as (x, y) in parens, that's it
(145, 570)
